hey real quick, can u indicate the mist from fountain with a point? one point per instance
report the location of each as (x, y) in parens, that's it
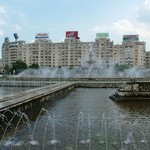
(91, 66)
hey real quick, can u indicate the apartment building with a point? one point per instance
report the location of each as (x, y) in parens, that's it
(45, 53)
(133, 51)
(148, 59)
(118, 56)
(72, 52)
(103, 50)
(40, 52)
(11, 51)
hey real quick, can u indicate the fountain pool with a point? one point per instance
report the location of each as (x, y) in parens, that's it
(85, 120)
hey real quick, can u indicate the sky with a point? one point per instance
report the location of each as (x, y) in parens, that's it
(88, 17)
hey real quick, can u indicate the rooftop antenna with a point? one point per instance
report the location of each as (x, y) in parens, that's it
(16, 36)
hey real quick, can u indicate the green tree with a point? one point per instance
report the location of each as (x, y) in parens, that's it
(18, 66)
(6, 69)
(121, 67)
(34, 66)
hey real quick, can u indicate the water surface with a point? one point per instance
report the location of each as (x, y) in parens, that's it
(85, 120)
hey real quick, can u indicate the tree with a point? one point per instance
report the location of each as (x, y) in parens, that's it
(34, 66)
(121, 67)
(18, 66)
(6, 69)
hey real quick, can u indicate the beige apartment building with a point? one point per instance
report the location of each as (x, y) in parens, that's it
(103, 50)
(45, 53)
(148, 59)
(118, 56)
(11, 51)
(132, 52)
(48, 54)
(73, 52)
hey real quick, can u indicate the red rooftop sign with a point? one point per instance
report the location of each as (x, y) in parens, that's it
(72, 34)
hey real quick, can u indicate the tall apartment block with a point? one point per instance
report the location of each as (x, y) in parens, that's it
(72, 52)
(103, 48)
(134, 51)
(11, 51)
(131, 52)
(148, 59)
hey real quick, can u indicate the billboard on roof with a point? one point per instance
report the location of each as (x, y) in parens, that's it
(130, 37)
(72, 34)
(41, 36)
(102, 35)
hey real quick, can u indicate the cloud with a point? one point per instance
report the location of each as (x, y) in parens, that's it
(2, 10)
(119, 28)
(139, 25)
(3, 13)
(144, 12)
(124, 26)
(7, 20)
(147, 3)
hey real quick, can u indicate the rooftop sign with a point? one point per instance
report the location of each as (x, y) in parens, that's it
(130, 37)
(102, 35)
(41, 36)
(72, 34)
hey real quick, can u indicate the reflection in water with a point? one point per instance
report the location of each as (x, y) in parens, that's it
(85, 120)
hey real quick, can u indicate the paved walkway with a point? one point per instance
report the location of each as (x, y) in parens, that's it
(23, 97)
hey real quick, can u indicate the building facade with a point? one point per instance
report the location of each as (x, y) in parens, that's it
(131, 52)
(11, 52)
(73, 52)
(103, 50)
(134, 51)
(148, 59)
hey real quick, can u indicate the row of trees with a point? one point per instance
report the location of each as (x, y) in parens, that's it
(18, 66)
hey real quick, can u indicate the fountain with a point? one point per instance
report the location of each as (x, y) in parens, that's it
(85, 139)
(90, 67)
(132, 91)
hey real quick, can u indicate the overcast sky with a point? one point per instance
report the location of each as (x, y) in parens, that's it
(118, 17)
